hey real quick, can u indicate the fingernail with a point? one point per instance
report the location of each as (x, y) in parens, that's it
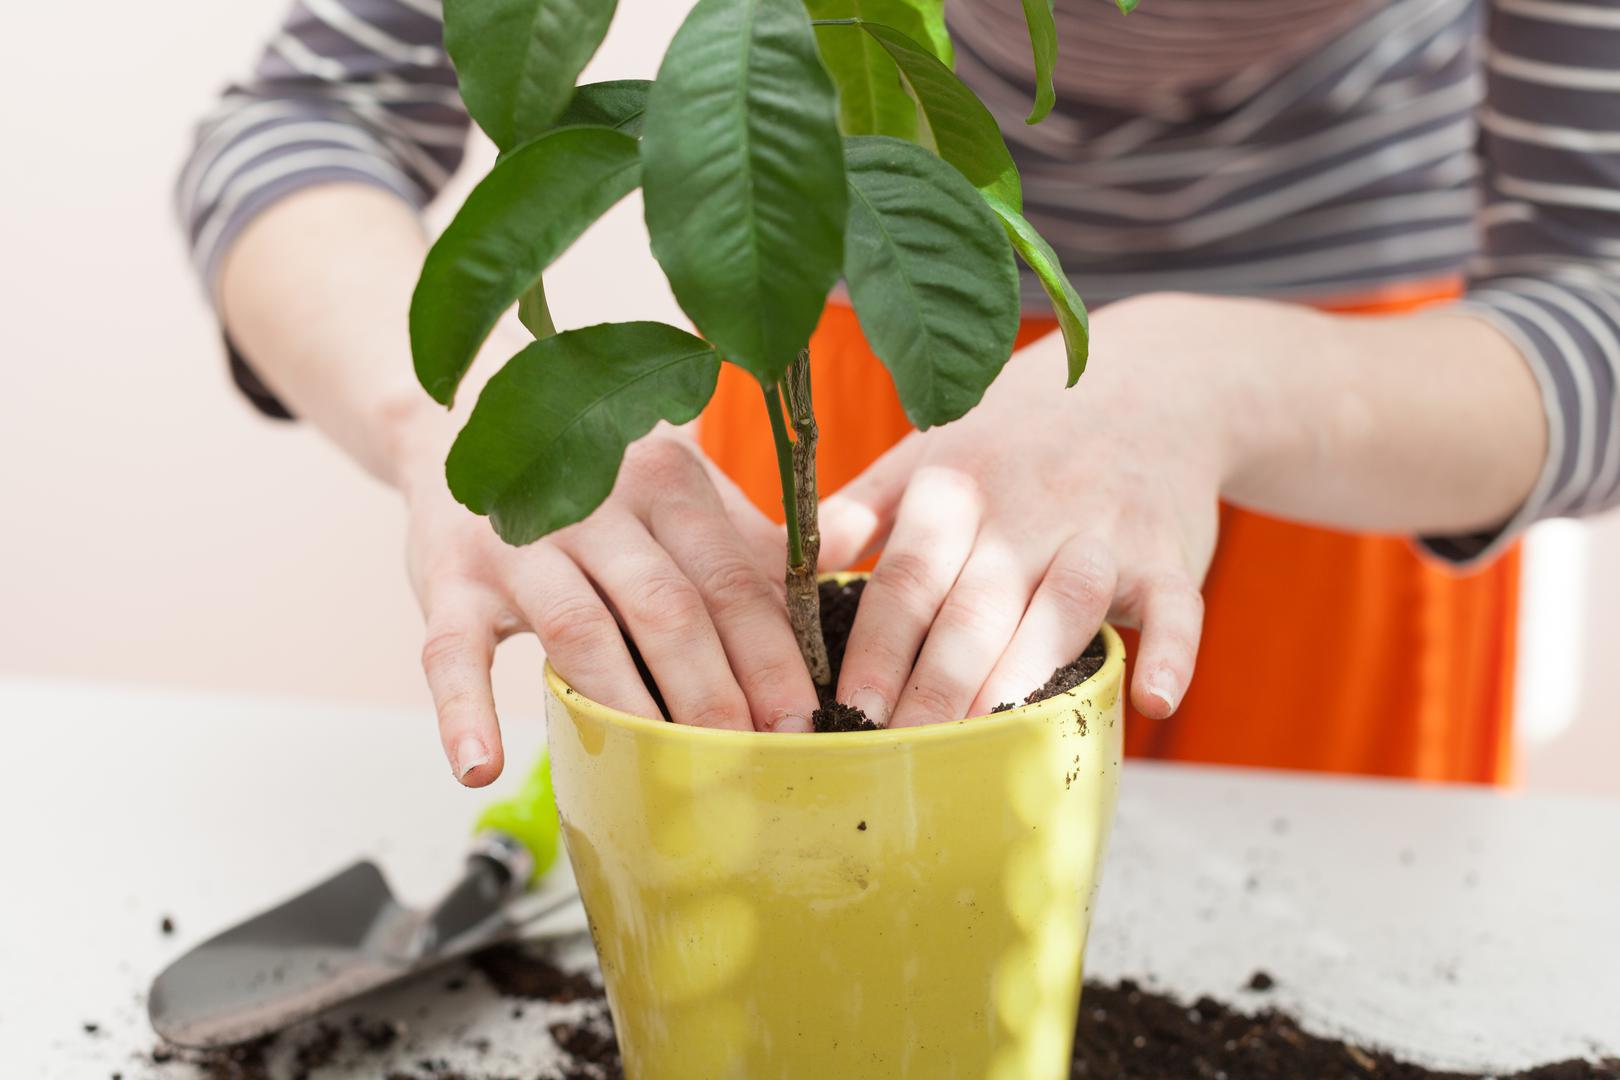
(470, 754)
(790, 723)
(1157, 690)
(870, 702)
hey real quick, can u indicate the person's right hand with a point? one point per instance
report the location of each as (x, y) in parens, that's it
(677, 556)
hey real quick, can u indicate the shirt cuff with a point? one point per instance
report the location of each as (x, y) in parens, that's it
(1468, 550)
(211, 256)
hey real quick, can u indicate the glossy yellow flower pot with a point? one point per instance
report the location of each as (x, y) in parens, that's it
(890, 905)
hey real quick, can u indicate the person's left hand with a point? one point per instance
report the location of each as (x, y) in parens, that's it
(1011, 533)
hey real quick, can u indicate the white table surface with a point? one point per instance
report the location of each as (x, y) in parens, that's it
(1465, 928)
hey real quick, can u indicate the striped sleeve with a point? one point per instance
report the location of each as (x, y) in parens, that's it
(1548, 275)
(347, 90)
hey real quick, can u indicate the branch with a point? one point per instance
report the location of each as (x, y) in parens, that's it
(785, 469)
(804, 593)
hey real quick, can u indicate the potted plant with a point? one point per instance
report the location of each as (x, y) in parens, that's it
(883, 903)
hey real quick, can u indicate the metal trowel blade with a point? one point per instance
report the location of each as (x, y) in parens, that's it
(343, 938)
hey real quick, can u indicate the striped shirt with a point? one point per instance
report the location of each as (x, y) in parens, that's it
(1298, 149)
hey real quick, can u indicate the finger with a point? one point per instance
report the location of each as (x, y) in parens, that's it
(933, 534)
(746, 608)
(1063, 616)
(666, 618)
(578, 633)
(766, 541)
(1171, 613)
(972, 629)
(456, 656)
(856, 519)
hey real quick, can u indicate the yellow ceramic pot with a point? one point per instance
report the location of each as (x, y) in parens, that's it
(889, 905)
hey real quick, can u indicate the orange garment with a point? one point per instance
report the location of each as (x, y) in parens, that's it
(1321, 650)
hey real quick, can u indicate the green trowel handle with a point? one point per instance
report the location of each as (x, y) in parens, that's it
(529, 817)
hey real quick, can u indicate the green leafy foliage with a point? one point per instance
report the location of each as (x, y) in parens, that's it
(516, 60)
(965, 134)
(872, 100)
(931, 274)
(543, 445)
(743, 170)
(1066, 303)
(1127, 6)
(620, 104)
(962, 129)
(1043, 39)
(754, 203)
(524, 214)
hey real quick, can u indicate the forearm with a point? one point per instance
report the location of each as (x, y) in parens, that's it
(316, 293)
(1423, 423)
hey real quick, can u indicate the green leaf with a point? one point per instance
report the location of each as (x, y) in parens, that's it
(1127, 6)
(964, 132)
(1043, 38)
(931, 275)
(526, 212)
(543, 445)
(619, 104)
(1071, 312)
(872, 99)
(516, 60)
(534, 313)
(744, 178)
(935, 32)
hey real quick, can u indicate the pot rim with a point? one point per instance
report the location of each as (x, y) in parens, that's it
(1112, 670)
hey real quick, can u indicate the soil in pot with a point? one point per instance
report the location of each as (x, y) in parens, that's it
(838, 605)
(838, 619)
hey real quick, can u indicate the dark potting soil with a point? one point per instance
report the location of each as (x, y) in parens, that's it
(1127, 1033)
(836, 716)
(513, 972)
(517, 973)
(838, 606)
(1072, 674)
(1123, 1032)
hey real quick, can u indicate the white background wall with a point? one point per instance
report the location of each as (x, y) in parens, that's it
(153, 529)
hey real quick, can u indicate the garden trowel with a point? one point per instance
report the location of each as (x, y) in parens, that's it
(348, 935)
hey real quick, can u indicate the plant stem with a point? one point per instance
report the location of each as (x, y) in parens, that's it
(784, 466)
(804, 593)
(796, 461)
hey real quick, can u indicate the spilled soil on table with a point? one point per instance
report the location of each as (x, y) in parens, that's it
(1123, 1032)
(1127, 1033)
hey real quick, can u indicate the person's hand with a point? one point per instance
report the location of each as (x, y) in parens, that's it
(676, 555)
(1010, 534)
